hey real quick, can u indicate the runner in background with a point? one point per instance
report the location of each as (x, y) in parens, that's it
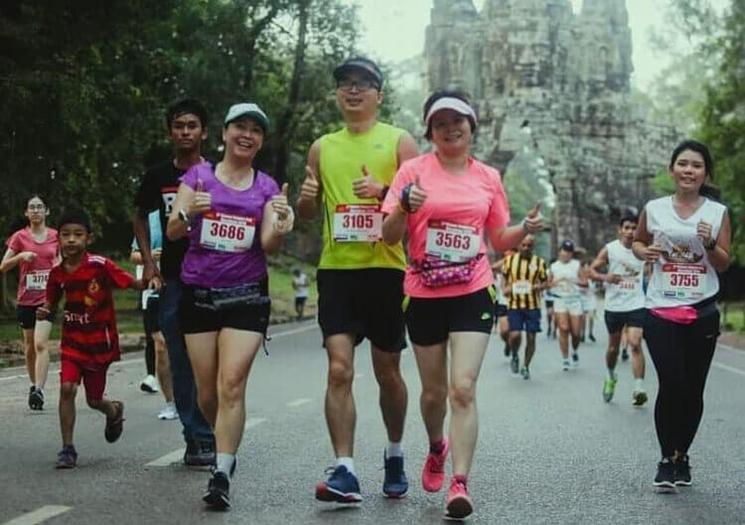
(34, 250)
(564, 280)
(156, 355)
(500, 306)
(301, 285)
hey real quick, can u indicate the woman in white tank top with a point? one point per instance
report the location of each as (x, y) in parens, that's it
(686, 237)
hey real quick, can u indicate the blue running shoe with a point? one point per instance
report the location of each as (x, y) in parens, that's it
(67, 457)
(341, 487)
(395, 484)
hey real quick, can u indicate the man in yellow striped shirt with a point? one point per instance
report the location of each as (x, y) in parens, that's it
(525, 277)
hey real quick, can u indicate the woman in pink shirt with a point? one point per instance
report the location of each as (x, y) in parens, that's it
(34, 249)
(450, 203)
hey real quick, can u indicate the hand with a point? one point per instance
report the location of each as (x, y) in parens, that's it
(652, 253)
(417, 195)
(703, 230)
(533, 221)
(27, 256)
(42, 313)
(367, 187)
(156, 253)
(150, 271)
(154, 284)
(310, 187)
(283, 216)
(201, 200)
(613, 278)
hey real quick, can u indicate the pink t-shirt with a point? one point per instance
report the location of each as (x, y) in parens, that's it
(33, 274)
(474, 201)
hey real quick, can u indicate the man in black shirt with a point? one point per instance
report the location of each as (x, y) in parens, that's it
(186, 121)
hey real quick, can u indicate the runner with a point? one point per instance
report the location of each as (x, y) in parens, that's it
(301, 285)
(186, 122)
(233, 215)
(624, 306)
(34, 249)
(155, 345)
(500, 306)
(90, 341)
(687, 238)
(447, 201)
(360, 280)
(564, 279)
(589, 302)
(525, 277)
(549, 299)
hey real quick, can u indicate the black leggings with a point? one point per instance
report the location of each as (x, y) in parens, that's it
(682, 355)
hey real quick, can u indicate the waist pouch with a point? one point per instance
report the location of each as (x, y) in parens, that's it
(226, 298)
(686, 314)
(435, 272)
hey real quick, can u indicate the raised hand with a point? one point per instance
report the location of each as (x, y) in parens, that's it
(366, 187)
(533, 222)
(284, 218)
(201, 201)
(417, 195)
(310, 188)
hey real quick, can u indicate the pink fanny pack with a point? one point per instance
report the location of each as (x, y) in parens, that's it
(676, 314)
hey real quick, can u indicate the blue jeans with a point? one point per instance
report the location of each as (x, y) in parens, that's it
(184, 389)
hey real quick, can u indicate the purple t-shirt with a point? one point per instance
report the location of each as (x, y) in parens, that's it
(221, 257)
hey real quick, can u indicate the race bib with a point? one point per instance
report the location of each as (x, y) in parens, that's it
(522, 287)
(452, 242)
(227, 233)
(37, 280)
(358, 223)
(627, 286)
(683, 281)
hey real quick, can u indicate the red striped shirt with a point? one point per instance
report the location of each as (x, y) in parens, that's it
(89, 326)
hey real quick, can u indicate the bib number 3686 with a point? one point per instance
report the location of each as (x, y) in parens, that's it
(227, 233)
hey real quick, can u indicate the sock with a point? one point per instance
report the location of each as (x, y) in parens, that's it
(639, 384)
(611, 374)
(347, 462)
(225, 463)
(437, 447)
(394, 450)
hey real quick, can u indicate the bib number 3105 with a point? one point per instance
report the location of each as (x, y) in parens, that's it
(227, 233)
(358, 223)
(452, 242)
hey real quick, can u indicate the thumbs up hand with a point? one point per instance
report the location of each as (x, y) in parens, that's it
(533, 221)
(416, 194)
(201, 200)
(310, 187)
(283, 218)
(366, 187)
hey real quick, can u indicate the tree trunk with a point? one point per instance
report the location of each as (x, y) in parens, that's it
(285, 123)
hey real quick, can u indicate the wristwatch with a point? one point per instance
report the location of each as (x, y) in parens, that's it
(184, 216)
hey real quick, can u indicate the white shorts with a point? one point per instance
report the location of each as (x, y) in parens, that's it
(572, 305)
(588, 302)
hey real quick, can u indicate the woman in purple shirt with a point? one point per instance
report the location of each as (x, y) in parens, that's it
(233, 215)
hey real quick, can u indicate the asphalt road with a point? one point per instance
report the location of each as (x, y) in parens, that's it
(550, 450)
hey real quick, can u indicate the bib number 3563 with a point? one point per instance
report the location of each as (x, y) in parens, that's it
(227, 233)
(358, 223)
(452, 242)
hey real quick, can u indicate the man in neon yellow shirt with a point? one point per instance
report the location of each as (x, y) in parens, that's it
(360, 278)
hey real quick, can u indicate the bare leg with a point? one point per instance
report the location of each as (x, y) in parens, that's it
(393, 395)
(634, 339)
(611, 355)
(202, 350)
(41, 342)
(163, 367)
(67, 394)
(529, 348)
(341, 416)
(562, 321)
(30, 353)
(432, 364)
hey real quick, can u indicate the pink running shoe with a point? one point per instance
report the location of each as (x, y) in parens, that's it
(460, 504)
(433, 473)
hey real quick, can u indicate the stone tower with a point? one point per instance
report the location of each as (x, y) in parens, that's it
(568, 76)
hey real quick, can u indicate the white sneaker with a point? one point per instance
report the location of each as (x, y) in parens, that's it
(565, 365)
(168, 412)
(149, 385)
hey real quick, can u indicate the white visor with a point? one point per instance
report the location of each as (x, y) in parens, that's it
(453, 103)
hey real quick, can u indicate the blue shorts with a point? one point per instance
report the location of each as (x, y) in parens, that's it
(524, 320)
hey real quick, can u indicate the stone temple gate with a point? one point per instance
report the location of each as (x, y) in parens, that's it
(567, 76)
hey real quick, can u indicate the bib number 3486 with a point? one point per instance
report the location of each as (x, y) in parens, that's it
(452, 242)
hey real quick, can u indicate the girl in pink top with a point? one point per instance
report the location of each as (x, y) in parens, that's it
(34, 249)
(450, 203)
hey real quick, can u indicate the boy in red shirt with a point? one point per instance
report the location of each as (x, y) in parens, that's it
(90, 342)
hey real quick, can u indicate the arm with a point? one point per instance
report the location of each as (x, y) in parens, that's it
(394, 226)
(193, 203)
(407, 149)
(136, 256)
(642, 247)
(600, 262)
(273, 231)
(309, 201)
(506, 237)
(141, 227)
(719, 256)
(12, 259)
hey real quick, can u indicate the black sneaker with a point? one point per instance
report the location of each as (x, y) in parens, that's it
(624, 355)
(36, 399)
(682, 472)
(665, 478)
(217, 496)
(200, 453)
(395, 484)
(592, 338)
(515, 364)
(507, 350)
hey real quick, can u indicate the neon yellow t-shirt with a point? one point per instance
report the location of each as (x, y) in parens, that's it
(342, 155)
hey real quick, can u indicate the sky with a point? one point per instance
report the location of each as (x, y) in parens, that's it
(394, 30)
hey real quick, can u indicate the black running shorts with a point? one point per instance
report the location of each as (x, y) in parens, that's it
(365, 303)
(615, 321)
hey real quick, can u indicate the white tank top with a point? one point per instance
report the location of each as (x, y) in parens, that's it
(568, 272)
(627, 295)
(683, 275)
(500, 298)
